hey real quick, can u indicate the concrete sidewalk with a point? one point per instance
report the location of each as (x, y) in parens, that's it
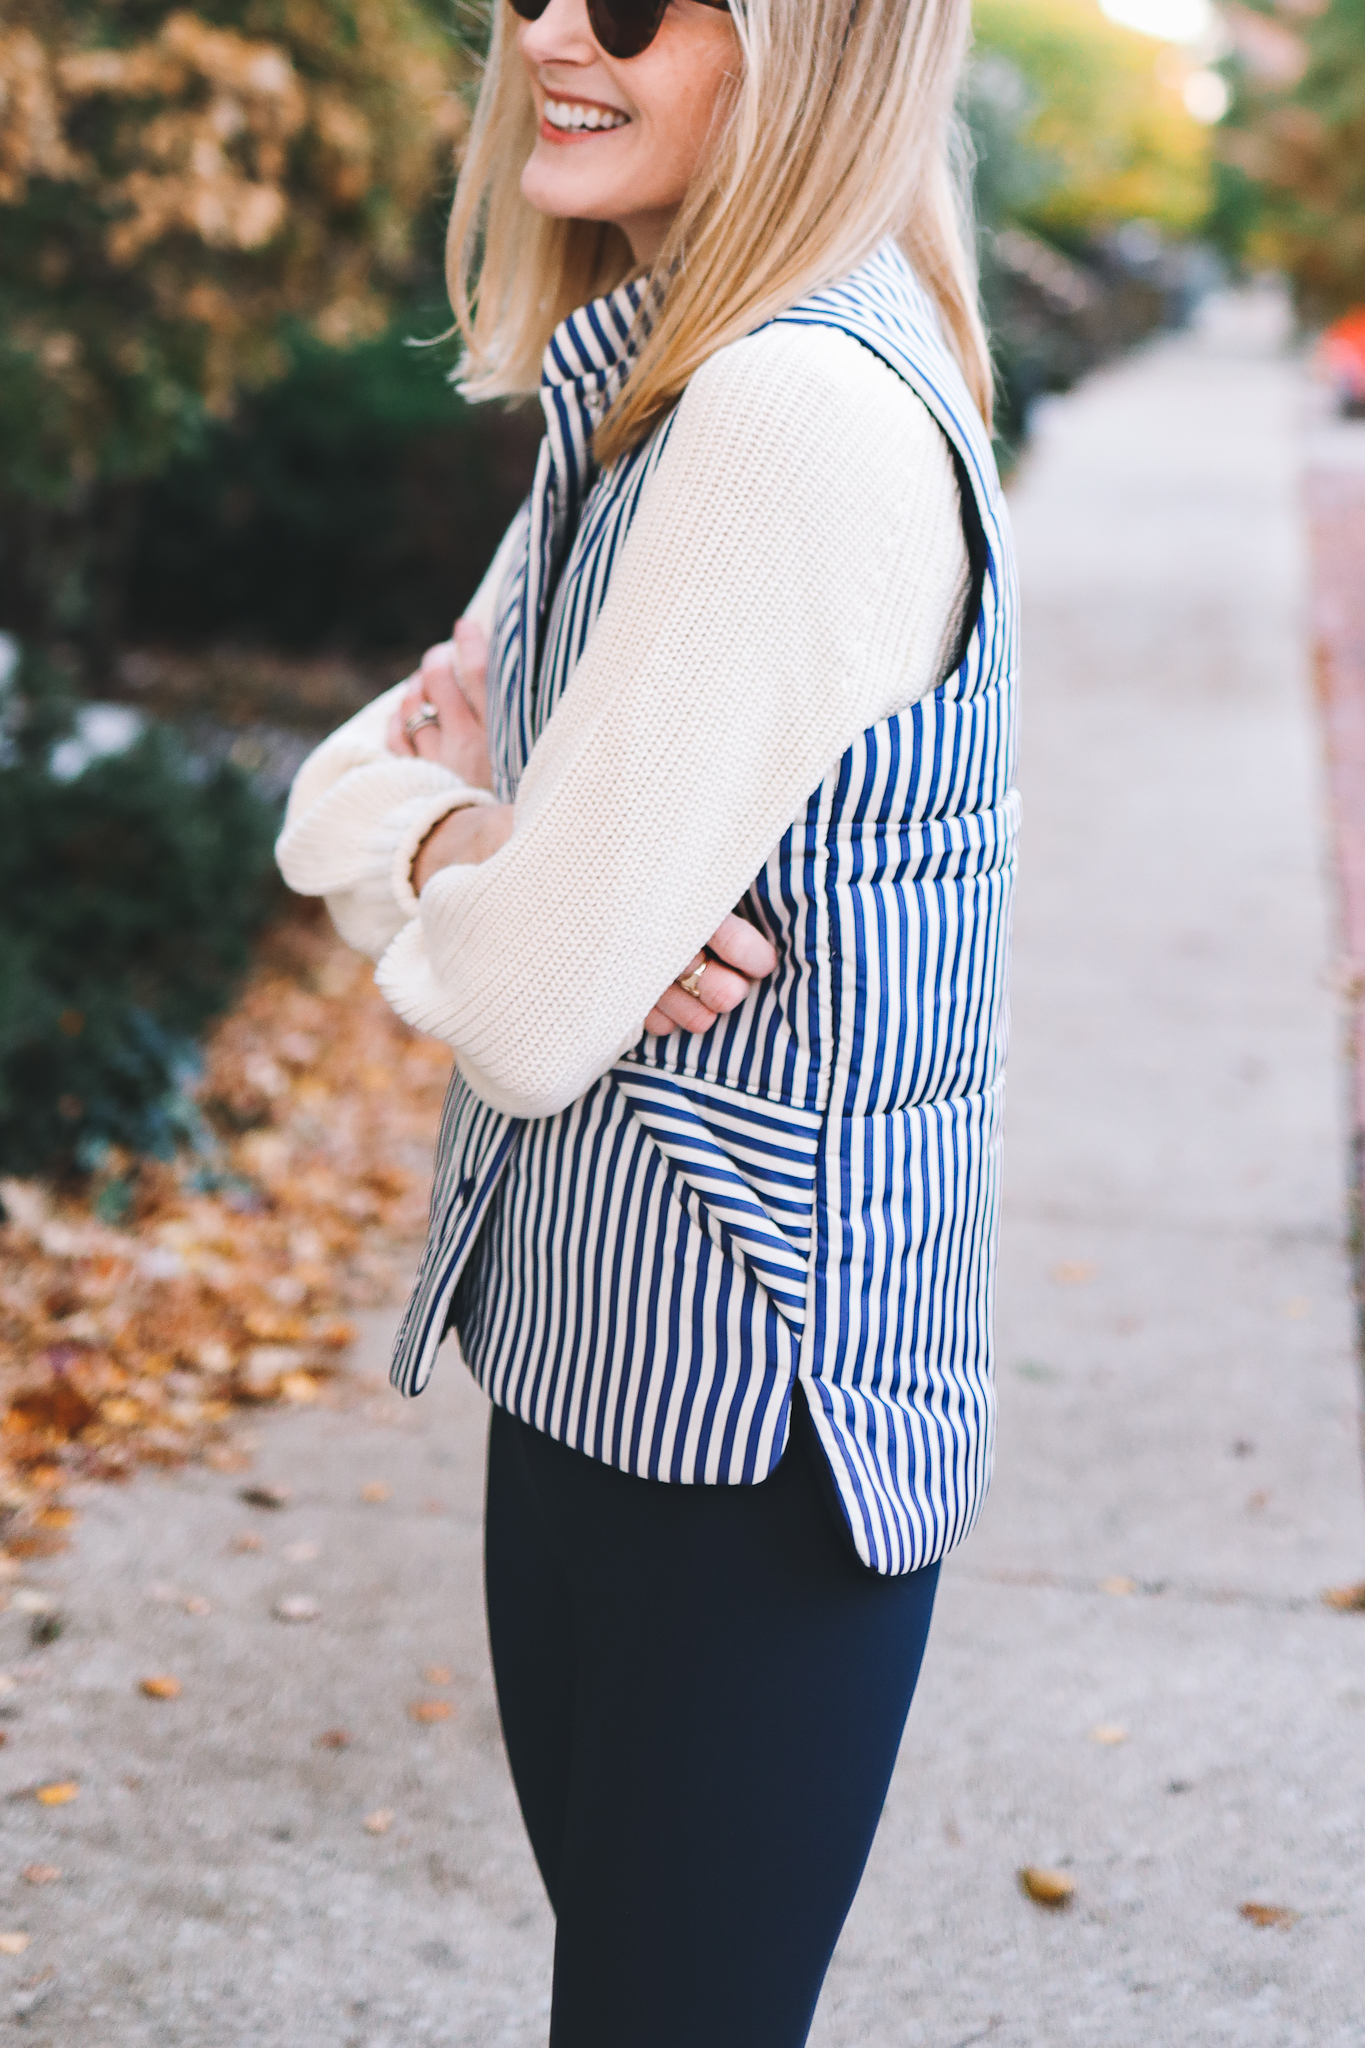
(1178, 1476)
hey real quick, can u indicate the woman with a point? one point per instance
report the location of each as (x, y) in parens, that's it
(715, 1203)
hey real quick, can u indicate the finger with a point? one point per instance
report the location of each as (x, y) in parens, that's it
(658, 1023)
(471, 666)
(398, 737)
(437, 661)
(743, 948)
(720, 989)
(443, 692)
(684, 1012)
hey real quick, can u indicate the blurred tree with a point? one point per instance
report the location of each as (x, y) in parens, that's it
(1297, 137)
(176, 187)
(1110, 137)
(1088, 165)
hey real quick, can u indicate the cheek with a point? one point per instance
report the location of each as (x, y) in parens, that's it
(674, 131)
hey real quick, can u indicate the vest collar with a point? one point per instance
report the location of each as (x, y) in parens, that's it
(590, 353)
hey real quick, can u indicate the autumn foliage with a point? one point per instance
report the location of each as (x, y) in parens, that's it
(176, 185)
(228, 1276)
(1299, 136)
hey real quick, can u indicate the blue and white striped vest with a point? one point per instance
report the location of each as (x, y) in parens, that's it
(809, 1192)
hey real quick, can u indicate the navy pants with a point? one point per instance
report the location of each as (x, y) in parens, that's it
(702, 1693)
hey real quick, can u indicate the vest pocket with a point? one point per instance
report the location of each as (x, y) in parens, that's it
(748, 1168)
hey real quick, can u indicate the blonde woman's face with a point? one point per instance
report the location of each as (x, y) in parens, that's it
(618, 139)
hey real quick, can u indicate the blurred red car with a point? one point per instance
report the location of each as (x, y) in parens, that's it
(1341, 353)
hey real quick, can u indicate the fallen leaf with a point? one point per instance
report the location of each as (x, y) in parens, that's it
(58, 1518)
(40, 1873)
(240, 1545)
(1267, 1916)
(1051, 1888)
(45, 1628)
(296, 1607)
(1071, 1272)
(162, 1688)
(379, 1822)
(374, 1491)
(300, 1387)
(1346, 1599)
(265, 1496)
(13, 1944)
(40, 1544)
(58, 1794)
(1109, 1733)
(333, 1738)
(195, 1603)
(59, 1409)
(437, 1674)
(1118, 1586)
(431, 1710)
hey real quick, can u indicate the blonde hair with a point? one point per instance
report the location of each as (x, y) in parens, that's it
(840, 132)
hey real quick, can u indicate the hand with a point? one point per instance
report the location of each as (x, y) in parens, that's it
(736, 956)
(452, 681)
(462, 839)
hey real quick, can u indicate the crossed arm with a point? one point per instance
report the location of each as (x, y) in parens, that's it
(452, 680)
(795, 572)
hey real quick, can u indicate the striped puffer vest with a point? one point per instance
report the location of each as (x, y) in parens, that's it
(806, 1195)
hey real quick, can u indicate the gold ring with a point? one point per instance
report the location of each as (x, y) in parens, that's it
(427, 714)
(691, 981)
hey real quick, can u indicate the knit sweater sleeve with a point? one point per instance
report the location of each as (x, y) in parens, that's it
(357, 813)
(796, 572)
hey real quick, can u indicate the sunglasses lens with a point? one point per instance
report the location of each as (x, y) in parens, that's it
(623, 27)
(529, 10)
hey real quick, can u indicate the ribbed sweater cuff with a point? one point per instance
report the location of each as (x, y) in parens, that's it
(422, 819)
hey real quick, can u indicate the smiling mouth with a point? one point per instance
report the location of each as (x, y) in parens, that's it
(571, 116)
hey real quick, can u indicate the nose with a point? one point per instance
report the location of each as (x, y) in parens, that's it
(561, 35)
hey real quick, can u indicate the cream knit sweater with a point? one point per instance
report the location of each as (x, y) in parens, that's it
(795, 572)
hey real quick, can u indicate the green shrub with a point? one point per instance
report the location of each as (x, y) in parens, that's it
(355, 505)
(129, 894)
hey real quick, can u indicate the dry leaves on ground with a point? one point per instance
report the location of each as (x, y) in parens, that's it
(1052, 1888)
(228, 1280)
(60, 1794)
(431, 1710)
(1267, 1916)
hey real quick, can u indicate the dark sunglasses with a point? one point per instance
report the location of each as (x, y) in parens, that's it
(622, 27)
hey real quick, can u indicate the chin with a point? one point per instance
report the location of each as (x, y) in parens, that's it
(564, 198)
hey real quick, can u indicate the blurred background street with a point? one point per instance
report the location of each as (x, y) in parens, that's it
(254, 1787)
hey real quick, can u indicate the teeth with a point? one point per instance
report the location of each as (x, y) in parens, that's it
(570, 114)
